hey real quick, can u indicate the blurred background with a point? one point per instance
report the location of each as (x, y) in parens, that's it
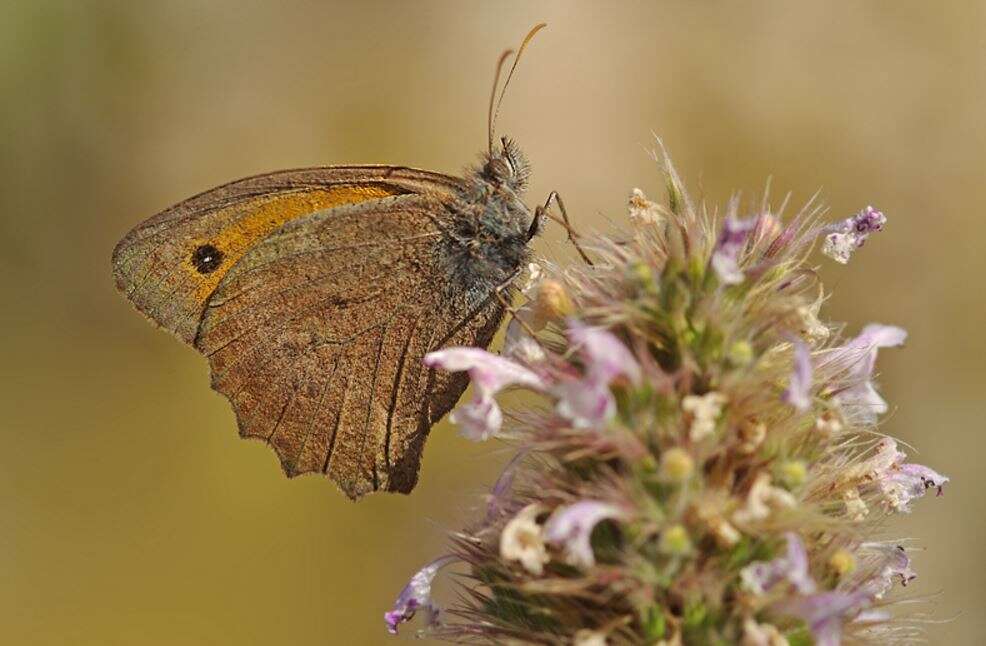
(131, 512)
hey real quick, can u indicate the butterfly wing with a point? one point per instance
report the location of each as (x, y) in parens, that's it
(169, 265)
(316, 337)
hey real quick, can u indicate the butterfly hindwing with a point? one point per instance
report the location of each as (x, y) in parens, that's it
(317, 333)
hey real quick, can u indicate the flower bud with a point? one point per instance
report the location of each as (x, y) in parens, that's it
(842, 562)
(675, 541)
(792, 473)
(553, 302)
(676, 465)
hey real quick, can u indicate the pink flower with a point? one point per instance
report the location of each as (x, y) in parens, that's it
(892, 562)
(898, 481)
(725, 258)
(798, 393)
(759, 577)
(502, 486)
(845, 237)
(824, 613)
(571, 526)
(588, 401)
(490, 373)
(416, 595)
(859, 356)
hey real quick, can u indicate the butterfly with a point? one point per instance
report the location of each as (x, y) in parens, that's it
(315, 293)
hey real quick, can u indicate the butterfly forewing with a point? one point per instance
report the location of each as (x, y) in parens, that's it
(170, 265)
(317, 333)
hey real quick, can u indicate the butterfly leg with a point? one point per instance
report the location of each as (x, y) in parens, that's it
(543, 211)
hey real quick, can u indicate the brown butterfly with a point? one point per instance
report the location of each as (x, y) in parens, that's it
(315, 293)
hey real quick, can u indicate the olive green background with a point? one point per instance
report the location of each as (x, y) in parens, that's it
(130, 512)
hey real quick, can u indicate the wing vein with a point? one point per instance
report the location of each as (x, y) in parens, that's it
(335, 427)
(369, 403)
(281, 258)
(395, 391)
(314, 416)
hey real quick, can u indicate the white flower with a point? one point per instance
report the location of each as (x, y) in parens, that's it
(755, 634)
(518, 343)
(762, 499)
(828, 423)
(705, 410)
(856, 508)
(751, 434)
(725, 534)
(586, 637)
(522, 539)
(839, 246)
(710, 513)
(811, 327)
(547, 300)
(643, 210)
(534, 274)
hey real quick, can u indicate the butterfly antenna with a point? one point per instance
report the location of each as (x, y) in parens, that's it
(496, 111)
(496, 82)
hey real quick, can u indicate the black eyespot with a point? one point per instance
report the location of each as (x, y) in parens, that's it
(206, 259)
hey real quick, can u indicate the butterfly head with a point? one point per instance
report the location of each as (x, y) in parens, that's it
(506, 166)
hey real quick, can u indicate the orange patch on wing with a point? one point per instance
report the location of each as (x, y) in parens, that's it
(255, 219)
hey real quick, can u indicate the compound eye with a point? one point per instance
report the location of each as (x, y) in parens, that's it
(507, 155)
(509, 163)
(499, 167)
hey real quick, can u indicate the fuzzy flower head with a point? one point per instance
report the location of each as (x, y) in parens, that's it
(700, 463)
